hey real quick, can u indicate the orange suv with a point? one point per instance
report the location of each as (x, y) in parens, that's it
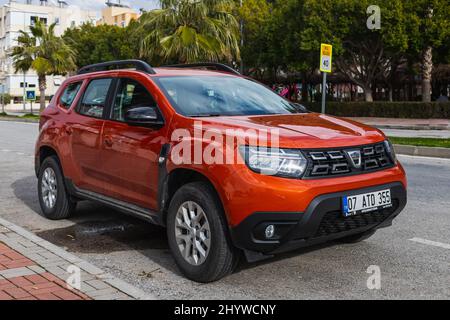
(227, 166)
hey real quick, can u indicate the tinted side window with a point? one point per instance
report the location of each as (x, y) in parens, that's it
(94, 98)
(130, 94)
(69, 94)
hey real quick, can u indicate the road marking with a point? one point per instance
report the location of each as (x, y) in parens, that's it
(431, 243)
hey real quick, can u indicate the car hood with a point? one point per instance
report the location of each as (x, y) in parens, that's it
(307, 130)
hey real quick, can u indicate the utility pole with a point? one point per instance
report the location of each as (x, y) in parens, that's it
(24, 91)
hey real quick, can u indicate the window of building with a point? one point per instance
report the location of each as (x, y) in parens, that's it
(34, 19)
(94, 98)
(69, 94)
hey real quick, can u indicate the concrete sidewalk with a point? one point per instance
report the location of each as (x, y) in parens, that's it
(34, 269)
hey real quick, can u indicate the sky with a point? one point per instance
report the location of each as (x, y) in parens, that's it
(99, 4)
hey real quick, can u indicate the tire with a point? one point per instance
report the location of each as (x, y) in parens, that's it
(357, 237)
(60, 206)
(222, 257)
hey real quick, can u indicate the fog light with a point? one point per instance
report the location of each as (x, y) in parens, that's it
(270, 231)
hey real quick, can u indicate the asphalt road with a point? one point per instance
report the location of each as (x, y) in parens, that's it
(138, 252)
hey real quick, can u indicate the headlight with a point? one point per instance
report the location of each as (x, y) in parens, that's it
(273, 161)
(390, 150)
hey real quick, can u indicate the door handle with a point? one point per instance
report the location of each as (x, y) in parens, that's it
(108, 141)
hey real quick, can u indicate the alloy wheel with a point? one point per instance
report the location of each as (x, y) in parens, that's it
(49, 188)
(192, 233)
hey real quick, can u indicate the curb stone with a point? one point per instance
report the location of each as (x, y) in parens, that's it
(18, 119)
(114, 288)
(416, 127)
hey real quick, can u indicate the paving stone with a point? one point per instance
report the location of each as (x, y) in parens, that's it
(17, 272)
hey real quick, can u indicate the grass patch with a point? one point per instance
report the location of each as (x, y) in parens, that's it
(421, 142)
(30, 116)
(25, 116)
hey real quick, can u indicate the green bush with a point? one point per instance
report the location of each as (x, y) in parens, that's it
(6, 98)
(411, 110)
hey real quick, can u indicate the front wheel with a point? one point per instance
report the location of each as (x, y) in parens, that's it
(198, 235)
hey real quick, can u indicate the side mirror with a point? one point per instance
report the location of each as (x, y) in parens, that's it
(143, 116)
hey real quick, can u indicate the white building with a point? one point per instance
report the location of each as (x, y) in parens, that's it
(19, 15)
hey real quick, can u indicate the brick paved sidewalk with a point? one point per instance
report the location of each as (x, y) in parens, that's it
(34, 269)
(25, 280)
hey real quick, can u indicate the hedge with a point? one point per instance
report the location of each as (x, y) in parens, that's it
(411, 110)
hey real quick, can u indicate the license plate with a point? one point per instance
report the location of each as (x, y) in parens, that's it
(366, 202)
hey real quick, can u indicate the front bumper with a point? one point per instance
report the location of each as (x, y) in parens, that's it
(321, 222)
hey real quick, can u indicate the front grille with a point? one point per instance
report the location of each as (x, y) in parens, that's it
(335, 221)
(336, 162)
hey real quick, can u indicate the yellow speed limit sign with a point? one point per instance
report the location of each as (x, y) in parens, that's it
(326, 53)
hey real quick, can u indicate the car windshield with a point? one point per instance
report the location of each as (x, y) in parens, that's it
(207, 96)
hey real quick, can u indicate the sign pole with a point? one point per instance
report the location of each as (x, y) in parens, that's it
(31, 96)
(326, 54)
(324, 91)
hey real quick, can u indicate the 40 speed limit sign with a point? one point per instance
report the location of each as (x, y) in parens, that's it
(326, 52)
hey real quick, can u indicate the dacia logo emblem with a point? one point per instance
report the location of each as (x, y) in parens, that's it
(355, 158)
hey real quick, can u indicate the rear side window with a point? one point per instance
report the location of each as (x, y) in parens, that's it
(69, 94)
(94, 98)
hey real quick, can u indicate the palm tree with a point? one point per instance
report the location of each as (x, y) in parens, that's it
(191, 31)
(44, 52)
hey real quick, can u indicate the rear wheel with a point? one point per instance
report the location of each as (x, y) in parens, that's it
(53, 198)
(198, 235)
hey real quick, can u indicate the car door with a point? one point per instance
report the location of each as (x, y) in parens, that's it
(85, 130)
(130, 153)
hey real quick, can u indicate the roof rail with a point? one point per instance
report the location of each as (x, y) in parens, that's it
(119, 64)
(205, 65)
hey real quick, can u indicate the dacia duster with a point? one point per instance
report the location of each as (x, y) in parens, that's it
(134, 138)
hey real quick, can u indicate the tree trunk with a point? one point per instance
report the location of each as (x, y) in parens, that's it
(427, 69)
(368, 94)
(304, 89)
(390, 93)
(42, 86)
